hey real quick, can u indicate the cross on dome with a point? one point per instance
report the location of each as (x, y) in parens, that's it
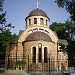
(37, 3)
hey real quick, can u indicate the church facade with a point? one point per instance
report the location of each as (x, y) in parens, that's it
(37, 43)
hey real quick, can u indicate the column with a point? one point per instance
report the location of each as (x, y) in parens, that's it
(42, 53)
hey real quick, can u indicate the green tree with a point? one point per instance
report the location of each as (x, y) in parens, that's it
(69, 5)
(6, 37)
(1, 4)
(20, 64)
(66, 31)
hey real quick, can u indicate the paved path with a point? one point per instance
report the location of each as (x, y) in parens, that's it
(72, 73)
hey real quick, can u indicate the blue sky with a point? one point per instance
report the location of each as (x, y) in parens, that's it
(18, 10)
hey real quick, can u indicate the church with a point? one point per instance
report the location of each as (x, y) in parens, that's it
(38, 45)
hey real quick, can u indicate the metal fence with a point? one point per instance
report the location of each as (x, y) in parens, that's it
(29, 65)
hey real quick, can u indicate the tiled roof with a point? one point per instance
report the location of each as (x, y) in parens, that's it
(37, 36)
(37, 12)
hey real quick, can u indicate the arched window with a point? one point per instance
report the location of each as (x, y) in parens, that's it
(35, 20)
(34, 55)
(26, 24)
(45, 55)
(29, 21)
(40, 53)
(41, 21)
(46, 22)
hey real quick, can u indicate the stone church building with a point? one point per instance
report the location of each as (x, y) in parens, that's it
(39, 44)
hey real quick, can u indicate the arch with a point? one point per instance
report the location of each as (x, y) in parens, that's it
(45, 55)
(34, 55)
(26, 33)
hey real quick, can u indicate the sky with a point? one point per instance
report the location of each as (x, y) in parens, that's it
(18, 10)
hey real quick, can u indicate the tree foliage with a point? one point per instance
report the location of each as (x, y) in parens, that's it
(20, 64)
(69, 30)
(66, 31)
(6, 36)
(1, 4)
(69, 5)
(3, 25)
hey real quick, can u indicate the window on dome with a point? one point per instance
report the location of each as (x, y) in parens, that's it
(26, 24)
(34, 55)
(46, 22)
(41, 21)
(45, 55)
(29, 21)
(35, 20)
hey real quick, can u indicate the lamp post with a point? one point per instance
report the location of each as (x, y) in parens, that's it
(49, 62)
(74, 59)
(16, 44)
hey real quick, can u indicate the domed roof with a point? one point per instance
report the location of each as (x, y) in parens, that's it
(37, 36)
(37, 12)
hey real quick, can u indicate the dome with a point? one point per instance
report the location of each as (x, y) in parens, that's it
(37, 36)
(37, 12)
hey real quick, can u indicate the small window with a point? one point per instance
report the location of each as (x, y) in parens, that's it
(26, 24)
(41, 21)
(35, 20)
(46, 22)
(29, 21)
